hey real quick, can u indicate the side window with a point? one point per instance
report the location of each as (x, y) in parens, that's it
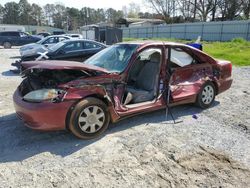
(73, 46)
(61, 39)
(180, 58)
(91, 45)
(51, 40)
(22, 34)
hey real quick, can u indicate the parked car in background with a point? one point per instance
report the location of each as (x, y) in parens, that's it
(59, 33)
(72, 50)
(76, 36)
(120, 81)
(16, 38)
(44, 34)
(41, 46)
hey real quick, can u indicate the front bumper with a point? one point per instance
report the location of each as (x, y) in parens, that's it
(44, 116)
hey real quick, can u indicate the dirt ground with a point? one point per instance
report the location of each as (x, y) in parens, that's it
(143, 151)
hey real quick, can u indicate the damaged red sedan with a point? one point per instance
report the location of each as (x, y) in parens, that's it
(121, 81)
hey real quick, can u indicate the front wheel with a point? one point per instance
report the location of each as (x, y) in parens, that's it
(206, 96)
(7, 45)
(89, 119)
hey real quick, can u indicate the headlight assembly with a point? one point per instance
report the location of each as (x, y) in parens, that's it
(44, 95)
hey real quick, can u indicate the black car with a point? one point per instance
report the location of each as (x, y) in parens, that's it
(72, 50)
(16, 38)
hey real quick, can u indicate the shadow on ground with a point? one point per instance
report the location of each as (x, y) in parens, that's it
(18, 143)
(10, 73)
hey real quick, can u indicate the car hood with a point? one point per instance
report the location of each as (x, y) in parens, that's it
(30, 46)
(61, 65)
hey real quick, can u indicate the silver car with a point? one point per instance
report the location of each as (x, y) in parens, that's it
(42, 45)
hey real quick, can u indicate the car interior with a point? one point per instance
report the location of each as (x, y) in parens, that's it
(143, 77)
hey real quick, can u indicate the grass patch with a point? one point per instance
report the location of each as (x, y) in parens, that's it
(237, 51)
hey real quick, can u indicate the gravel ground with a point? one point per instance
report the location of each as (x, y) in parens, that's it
(143, 151)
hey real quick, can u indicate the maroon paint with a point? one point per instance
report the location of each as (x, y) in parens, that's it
(185, 84)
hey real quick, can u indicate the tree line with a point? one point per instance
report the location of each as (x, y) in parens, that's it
(201, 10)
(172, 11)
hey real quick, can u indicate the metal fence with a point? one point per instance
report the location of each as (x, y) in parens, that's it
(209, 31)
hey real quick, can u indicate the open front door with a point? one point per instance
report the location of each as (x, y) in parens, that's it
(142, 90)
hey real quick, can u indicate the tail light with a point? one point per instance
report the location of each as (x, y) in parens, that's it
(230, 68)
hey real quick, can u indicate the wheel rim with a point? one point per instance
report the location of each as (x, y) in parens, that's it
(207, 94)
(91, 119)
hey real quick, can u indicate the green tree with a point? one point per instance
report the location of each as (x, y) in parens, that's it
(37, 15)
(24, 12)
(10, 13)
(112, 15)
(1, 13)
(73, 18)
(49, 11)
(59, 16)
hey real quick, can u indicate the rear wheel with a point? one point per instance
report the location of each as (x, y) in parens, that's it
(7, 45)
(89, 119)
(206, 96)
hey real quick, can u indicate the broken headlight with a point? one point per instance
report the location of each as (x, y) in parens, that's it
(44, 95)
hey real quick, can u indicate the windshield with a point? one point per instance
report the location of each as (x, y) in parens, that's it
(56, 46)
(42, 40)
(114, 58)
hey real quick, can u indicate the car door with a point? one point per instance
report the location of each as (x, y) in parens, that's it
(188, 74)
(143, 56)
(71, 51)
(14, 38)
(25, 38)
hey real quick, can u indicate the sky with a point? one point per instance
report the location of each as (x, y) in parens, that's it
(115, 4)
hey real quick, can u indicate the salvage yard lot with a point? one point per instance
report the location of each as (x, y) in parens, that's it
(143, 151)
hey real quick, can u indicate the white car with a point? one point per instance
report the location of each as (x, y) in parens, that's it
(75, 36)
(42, 45)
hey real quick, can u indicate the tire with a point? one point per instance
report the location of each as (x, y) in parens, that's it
(7, 45)
(89, 119)
(206, 95)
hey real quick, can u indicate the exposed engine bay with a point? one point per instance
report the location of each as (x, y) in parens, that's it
(43, 78)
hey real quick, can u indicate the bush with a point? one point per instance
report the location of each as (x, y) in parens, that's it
(238, 40)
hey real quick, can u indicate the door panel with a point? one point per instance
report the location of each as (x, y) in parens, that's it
(186, 81)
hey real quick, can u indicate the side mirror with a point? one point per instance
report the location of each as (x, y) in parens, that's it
(46, 45)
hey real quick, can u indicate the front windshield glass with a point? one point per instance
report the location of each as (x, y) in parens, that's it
(42, 40)
(114, 58)
(56, 46)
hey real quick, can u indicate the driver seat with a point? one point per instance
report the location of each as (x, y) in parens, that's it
(144, 88)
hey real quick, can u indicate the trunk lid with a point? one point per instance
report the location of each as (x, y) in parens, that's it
(225, 68)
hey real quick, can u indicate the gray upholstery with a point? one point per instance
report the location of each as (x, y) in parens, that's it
(144, 89)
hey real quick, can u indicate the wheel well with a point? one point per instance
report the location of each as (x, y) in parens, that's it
(216, 87)
(73, 106)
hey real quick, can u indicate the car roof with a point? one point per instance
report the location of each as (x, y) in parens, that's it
(58, 36)
(10, 31)
(151, 42)
(83, 40)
